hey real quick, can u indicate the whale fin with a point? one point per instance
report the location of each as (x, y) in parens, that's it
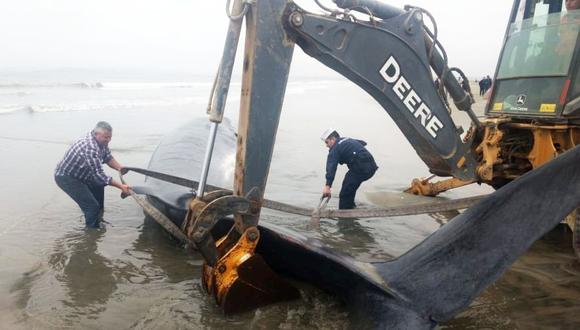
(443, 274)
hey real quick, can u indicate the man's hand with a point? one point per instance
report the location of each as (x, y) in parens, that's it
(326, 191)
(125, 189)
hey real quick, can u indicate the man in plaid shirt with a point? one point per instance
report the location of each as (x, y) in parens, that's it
(80, 173)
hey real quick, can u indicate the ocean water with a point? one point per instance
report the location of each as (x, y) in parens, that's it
(54, 274)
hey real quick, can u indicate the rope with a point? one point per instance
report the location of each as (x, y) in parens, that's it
(320, 212)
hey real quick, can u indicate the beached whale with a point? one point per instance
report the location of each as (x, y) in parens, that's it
(429, 284)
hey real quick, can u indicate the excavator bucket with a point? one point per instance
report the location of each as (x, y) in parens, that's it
(241, 280)
(256, 285)
(233, 273)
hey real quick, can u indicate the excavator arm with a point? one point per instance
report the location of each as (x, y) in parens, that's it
(391, 56)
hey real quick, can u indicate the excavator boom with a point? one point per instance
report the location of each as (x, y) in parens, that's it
(391, 60)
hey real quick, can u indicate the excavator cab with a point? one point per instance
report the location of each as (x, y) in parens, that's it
(538, 70)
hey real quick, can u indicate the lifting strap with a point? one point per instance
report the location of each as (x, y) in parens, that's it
(430, 207)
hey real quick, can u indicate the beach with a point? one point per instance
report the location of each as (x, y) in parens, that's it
(56, 275)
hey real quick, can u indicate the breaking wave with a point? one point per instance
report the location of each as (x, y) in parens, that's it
(113, 106)
(120, 96)
(107, 85)
(154, 85)
(297, 84)
(15, 108)
(83, 85)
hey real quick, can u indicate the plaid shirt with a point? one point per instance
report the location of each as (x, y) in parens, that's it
(83, 161)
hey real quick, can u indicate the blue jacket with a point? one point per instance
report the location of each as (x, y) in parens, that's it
(351, 152)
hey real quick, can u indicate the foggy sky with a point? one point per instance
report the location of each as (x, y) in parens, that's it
(187, 35)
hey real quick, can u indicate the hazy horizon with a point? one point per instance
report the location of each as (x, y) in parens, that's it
(186, 38)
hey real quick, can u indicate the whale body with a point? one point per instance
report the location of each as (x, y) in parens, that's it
(429, 284)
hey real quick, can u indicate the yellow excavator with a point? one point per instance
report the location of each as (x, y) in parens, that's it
(533, 113)
(532, 117)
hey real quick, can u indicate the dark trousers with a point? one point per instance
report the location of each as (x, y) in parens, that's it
(89, 197)
(352, 180)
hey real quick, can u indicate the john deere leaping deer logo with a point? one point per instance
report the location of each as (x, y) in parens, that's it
(521, 100)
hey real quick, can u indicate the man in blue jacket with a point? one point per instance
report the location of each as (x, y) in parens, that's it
(360, 162)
